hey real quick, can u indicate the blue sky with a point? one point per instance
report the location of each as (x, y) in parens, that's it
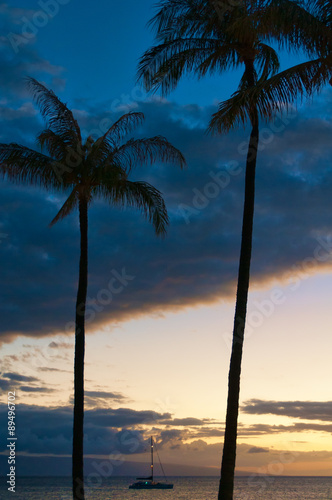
(175, 313)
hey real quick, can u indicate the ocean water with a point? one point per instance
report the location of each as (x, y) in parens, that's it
(185, 488)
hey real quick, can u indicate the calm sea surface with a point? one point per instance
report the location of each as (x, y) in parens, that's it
(185, 488)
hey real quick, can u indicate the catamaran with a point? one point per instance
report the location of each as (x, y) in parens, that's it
(147, 483)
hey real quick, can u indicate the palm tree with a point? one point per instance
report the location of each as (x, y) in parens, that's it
(212, 36)
(87, 170)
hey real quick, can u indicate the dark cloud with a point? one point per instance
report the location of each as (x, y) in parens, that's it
(171, 435)
(197, 262)
(305, 410)
(47, 369)
(210, 432)
(257, 449)
(256, 429)
(298, 427)
(10, 381)
(26, 388)
(95, 399)
(19, 58)
(5, 385)
(124, 417)
(60, 345)
(49, 430)
(186, 421)
(265, 429)
(105, 395)
(19, 378)
(188, 432)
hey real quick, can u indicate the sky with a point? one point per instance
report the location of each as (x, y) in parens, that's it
(157, 349)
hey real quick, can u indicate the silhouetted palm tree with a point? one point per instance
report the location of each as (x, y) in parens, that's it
(214, 36)
(88, 170)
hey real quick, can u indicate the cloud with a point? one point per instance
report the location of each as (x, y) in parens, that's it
(265, 429)
(169, 435)
(187, 421)
(257, 449)
(210, 432)
(48, 369)
(20, 378)
(94, 399)
(49, 430)
(107, 430)
(305, 410)
(20, 58)
(10, 381)
(60, 345)
(124, 417)
(105, 395)
(26, 388)
(5, 385)
(197, 262)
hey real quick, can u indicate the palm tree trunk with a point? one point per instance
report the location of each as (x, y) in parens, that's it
(78, 479)
(226, 486)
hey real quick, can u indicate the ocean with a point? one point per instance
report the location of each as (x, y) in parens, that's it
(185, 488)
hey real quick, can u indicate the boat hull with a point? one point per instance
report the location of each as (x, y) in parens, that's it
(143, 485)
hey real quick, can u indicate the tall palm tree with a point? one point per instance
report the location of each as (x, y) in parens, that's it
(214, 36)
(87, 170)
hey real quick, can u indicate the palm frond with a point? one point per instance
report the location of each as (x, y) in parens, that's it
(267, 62)
(24, 165)
(68, 206)
(168, 11)
(163, 65)
(106, 172)
(295, 26)
(141, 195)
(203, 36)
(200, 36)
(58, 117)
(219, 60)
(272, 96)
(322, 9)
(106, 144)
(53, 143)
(143, 151)
(123, 126)
(102, 167)
(194, 18)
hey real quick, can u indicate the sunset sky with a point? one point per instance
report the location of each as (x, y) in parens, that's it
(157, 352)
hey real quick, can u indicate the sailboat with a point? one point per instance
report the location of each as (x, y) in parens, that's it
(147, 483)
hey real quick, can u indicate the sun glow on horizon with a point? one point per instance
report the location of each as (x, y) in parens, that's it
(177, 363)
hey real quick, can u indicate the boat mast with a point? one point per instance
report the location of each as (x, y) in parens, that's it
(152, 458)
